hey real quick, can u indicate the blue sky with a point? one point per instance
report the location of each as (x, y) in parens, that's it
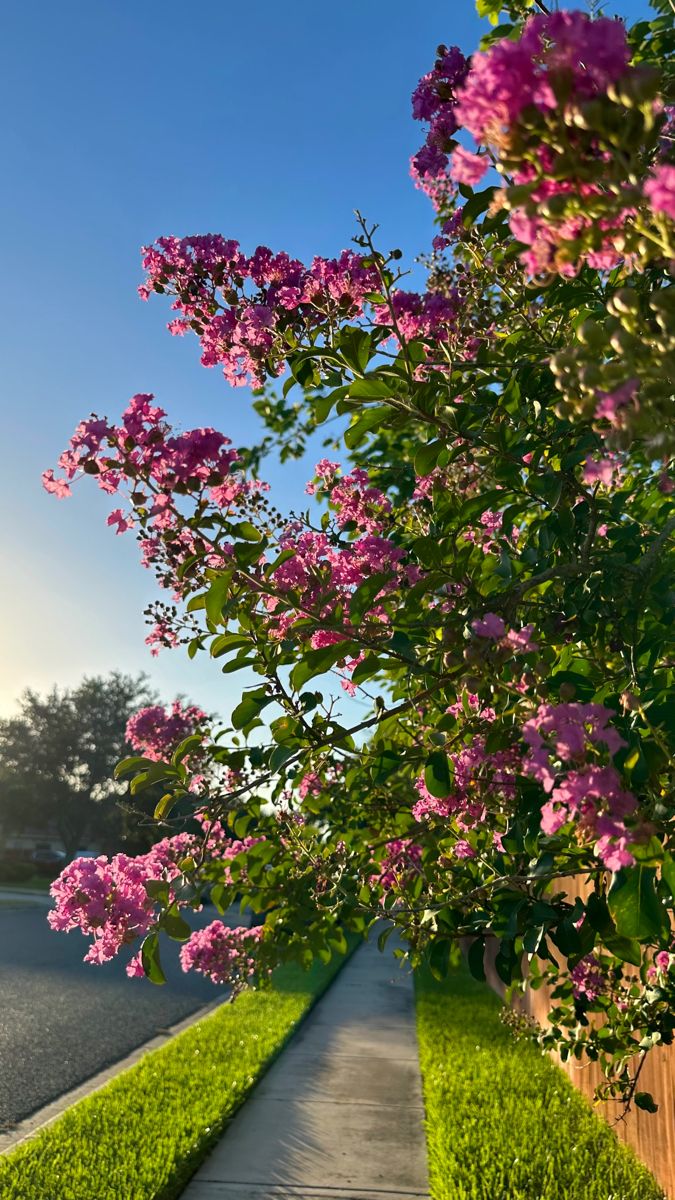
(122, 121)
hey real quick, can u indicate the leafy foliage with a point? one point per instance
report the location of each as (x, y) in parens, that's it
(489, 576)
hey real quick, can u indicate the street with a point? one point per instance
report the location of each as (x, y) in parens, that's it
(63, 1020)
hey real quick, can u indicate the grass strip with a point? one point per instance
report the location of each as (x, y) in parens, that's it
(144, 1134)
(503, 1121)
(35, 883)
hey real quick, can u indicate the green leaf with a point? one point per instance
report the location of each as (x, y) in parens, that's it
(152, 774)
(365, 594)
(566, 937)
(437, 775)
(370, 388)
(280, 756)
(219, 897)
(216, 596)
(176, 927)
(157, 889)
(151, 960)
(370, 419)
(356, 348)
(127, 765)
(646, 1101)
(668, 873)
(506, 962)
(634, 904)
(249, 707)
(478, 203)
(370, 666)
(626, 949)
(186, 747)
(227, 641)
(317, 662)
(597, 914)
(247, 531)
(427, 457)
(439, 958)
(165, 805)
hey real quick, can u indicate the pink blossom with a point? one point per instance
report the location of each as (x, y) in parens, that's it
(489, 626)
(566, 49)
(660, 190)
(466, 167)
(400, 863)
(463, 849)
(602, 470)
(58, 487)
(588, 981)
(223, 954)
(156, 731)
(107, 899)
(610, 404)
(521, 639)
(121, 520)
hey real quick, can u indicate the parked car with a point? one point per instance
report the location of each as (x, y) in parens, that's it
(47, 862)
(86, 854)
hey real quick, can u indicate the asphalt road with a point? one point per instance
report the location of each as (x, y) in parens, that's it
(62, 1020)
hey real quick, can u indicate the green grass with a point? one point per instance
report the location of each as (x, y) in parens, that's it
(36, 883)
(503, 1121)
(144, 1134)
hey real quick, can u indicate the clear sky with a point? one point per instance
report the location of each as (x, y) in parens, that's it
(123, 120)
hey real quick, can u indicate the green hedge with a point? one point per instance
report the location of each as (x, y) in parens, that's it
(144, 1134)
(503, 1121)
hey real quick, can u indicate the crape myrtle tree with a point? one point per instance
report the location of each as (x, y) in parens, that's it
(485, 565)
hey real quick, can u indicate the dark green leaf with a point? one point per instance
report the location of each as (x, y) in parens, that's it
(634, 904)
(151, 960)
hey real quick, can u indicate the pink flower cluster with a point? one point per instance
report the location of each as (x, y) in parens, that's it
(607, 471)
(313, 784)
(421, 315)
(565, 741)
(493, 627)
(489, 531)
(223, 954)
(357, 502)
(142, 446)
(232, 849)
(588, 980)
(242, 308)
(560, 58)
(433, 101)
(481, 779)
(159, 469)
(155, 731)
(320, 576)
(660, 190)
(400, 863)
(561, 61)
(107, 899)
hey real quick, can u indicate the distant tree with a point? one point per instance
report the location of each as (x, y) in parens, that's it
(58, 755)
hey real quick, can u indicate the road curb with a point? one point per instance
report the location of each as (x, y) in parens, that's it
(37, 1121)
(18, 894)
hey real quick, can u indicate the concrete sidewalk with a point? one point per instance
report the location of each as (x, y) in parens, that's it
(339, 1116)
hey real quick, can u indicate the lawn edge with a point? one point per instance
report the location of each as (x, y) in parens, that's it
(32, 1125)
(187, 1167)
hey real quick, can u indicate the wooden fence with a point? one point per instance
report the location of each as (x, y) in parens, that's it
(651, 1135)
